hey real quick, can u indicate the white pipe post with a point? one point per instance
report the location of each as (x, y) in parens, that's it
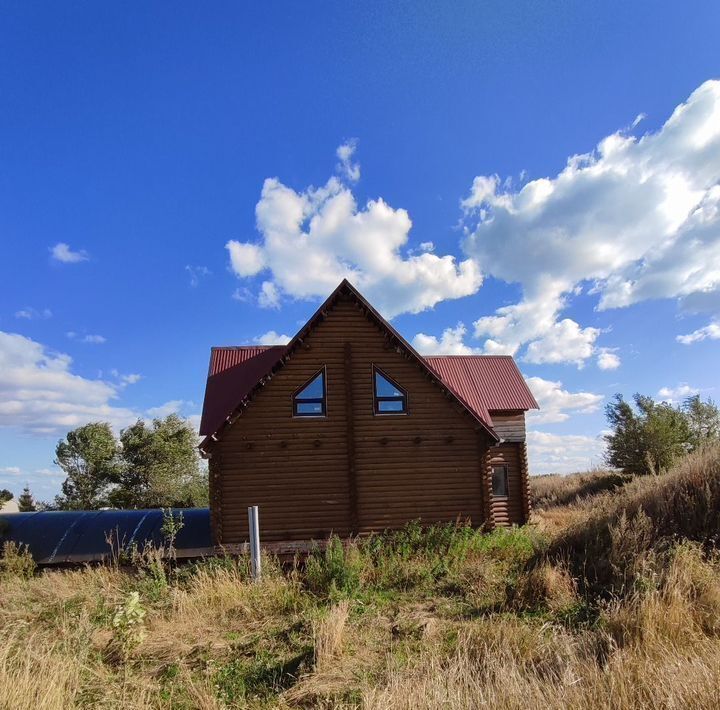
(254, 525)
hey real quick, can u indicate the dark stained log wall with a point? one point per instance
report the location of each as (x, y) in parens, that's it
(312, 477)
(510, 510)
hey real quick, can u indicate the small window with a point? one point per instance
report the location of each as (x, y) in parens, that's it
(500, 481)
(309, 400)
(389, 397)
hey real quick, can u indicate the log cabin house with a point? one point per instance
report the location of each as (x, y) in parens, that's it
(348, 430)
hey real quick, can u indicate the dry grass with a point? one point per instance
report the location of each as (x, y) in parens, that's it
(434, 618)
(553, 490)
(328, 633)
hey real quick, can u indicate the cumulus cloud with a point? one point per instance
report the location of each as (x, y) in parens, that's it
(563, 453)
(607, 359)
(711, 331)
(673, 395)
(449, 343)
(245, 259)
(174, 406)
(348, 169)
(312, 239)
(63, 253)
(10, 470)
(269, 296)
(39, 393)
(272, 338)
(30, 313)
(556, 403)
(637, 219)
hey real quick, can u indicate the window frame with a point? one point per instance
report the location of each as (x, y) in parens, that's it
(404, 398)
(504, 467)
(311, 400)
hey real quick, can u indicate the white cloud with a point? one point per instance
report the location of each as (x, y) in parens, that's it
(449, 343)
(244, 295)
(311, 240)
(197, 273)
(30, 313)
(607, 359)
(638, 218)
(10, 470)
(63, 253)
(130, 379)
(39, 393)
(174, 406)
(640, 117)
(50, 472)
(672, 395)
(348, 169)
(91, 339)
(269, 296)
(272, 338)
(181, 407)
(563, 453)
(711, 331)
(245, 259)
(555, 402)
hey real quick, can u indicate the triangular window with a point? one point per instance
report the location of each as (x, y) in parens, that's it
(309, 400)
(389, 397)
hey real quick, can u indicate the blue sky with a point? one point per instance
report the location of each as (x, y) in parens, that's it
(176, 176)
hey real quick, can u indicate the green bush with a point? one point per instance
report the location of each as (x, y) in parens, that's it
(16, 561)
(336, 571)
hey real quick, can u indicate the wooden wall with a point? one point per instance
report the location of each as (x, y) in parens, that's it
(343, 473)
(509, 426)
(514, 509)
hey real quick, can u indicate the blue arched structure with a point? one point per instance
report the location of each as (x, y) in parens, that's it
(58, 537)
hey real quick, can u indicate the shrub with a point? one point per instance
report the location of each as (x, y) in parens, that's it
(128, 624)
(16, 561)
(334, 572)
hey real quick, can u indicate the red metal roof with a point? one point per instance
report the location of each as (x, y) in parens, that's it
(233, 372)
(483, 382)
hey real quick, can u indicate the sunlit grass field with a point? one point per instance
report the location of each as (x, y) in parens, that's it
(609, 598)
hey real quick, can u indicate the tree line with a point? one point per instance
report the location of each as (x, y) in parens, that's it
(647, 436)
(150, 465)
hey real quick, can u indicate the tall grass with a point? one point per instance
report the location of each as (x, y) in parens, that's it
(552, 490)
(618, 608)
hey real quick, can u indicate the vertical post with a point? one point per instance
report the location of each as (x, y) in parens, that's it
(254, 526)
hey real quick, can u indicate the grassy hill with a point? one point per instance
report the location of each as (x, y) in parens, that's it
(609, 598)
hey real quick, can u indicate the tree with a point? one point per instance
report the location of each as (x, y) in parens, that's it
(161, 466)
(5, 496)
(703, 419)
(89, 458)
(647, 438)
(25, 501)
